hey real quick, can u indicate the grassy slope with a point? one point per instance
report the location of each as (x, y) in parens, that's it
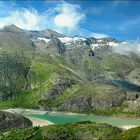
(43, 74)
(132, 134)
(76, 131)
(46, 70)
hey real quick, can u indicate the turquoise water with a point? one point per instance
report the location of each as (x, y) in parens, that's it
(61, 118)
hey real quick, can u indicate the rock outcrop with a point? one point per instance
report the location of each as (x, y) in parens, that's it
(89, 102)
(10, 121)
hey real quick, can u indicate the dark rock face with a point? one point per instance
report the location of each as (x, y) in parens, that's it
(95, 102)
(90, 40)
(133, 95)
(49, 101)
(109, 39)
(9, 121)
(61, 47)
(34, 34)
(91, 53)
(55, 42)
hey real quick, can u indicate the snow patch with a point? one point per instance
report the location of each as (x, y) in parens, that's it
(112, 44)
(79, 38)
(65, 39)
(99, 41)
(44, 39)
(93, 46)
(71, 39)
(124, 43)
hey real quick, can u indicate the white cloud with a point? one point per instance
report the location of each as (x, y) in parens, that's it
(99, 35)
(30, 19)
(65, 18)
(2, 25)
(128, 48)
(23, 18)
(69, 16)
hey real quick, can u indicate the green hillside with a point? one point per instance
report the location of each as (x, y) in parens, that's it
(55, 77)
(76, 131)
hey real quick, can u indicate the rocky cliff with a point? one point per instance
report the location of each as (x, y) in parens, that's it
(9, 121)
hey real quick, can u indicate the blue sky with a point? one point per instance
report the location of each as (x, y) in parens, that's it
(118, 19)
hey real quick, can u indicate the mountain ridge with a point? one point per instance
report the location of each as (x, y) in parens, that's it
(52, 69)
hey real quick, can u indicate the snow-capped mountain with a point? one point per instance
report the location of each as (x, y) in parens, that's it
(46, 37)
(91, 42)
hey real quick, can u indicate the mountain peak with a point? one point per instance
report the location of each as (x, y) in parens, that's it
(52, 33)
(12, 28)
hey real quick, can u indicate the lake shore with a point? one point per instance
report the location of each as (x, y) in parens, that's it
(25, 111)
(34, 111)
(39, 122)
(44, 122)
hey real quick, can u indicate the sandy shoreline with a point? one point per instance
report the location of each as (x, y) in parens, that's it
(33, 111)
(39, 122)
(126, 127)
(25, 111)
